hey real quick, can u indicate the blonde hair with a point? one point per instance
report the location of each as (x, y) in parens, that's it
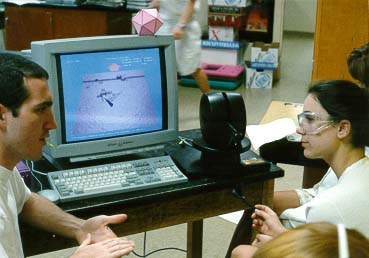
(313, 240)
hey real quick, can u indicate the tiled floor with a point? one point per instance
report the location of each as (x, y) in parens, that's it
(295, 75)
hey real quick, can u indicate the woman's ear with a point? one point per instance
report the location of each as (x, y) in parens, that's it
(344, 129)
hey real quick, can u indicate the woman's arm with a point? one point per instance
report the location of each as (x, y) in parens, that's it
(284, 200)
(180, 28)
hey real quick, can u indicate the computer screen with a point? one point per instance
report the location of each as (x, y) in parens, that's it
(113, 95)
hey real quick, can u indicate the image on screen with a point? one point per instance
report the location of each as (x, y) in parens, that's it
(111, 94)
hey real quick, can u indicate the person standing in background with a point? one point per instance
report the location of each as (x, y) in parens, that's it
(179, 20)
(358, 65)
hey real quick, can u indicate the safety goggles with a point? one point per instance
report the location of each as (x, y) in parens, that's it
(312, 123)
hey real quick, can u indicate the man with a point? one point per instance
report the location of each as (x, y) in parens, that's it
(25, 120)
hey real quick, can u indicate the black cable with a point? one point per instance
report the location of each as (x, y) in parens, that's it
(158, 250)
(33, 171)
(238, 193)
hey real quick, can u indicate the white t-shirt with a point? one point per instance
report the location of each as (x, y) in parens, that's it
(344, 200)
(13, 195)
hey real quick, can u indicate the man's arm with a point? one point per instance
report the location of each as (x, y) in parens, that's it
(41, 213)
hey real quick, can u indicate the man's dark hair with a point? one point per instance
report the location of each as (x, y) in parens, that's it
(13, 70)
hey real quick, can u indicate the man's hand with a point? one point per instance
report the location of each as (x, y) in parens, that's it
(266, 221)
(98, 227)
(109, 248)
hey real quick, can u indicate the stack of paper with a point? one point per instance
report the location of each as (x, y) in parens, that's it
(269, 132)
(64, 1)
(22, 2)
(108, 3)
(137, 4)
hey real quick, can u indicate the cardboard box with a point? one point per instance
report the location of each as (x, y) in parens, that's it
(264, 56)
(229, 20)
(223, 33)
(216, 9)
(260, 79)
(238, 3)
(222, 52)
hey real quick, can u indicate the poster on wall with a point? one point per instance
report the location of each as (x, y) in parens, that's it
(259, 21)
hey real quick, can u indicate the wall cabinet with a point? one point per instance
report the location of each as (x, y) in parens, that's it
(27, 23)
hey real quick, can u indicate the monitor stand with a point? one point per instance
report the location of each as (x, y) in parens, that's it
(66, 163)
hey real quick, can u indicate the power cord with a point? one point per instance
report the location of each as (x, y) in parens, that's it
(33, 171)
(238, 193)
(185, 141)
(158, 250)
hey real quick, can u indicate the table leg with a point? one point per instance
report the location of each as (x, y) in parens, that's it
(194, 239)
(243, 232)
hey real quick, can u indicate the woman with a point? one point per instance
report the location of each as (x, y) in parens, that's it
(334, 127)
(358, 64)
(316, 240)
(180, 20)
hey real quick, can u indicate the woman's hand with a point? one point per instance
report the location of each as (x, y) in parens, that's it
(178, 33)
(266, 221)
(154, 4)
(261, 239)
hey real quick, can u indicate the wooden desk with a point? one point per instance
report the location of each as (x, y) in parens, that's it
(27, 23)
(281, 109)
(201, 197)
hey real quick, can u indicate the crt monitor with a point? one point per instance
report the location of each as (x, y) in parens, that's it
(113, 95)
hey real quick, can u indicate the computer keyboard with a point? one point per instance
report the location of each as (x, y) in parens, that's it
(107, 179)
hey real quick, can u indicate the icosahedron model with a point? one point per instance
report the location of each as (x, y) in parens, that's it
(147, 22)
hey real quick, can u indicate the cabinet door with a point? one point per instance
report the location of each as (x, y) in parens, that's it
(79, 23)
(24, 25)
(341, 25)
(84, 23)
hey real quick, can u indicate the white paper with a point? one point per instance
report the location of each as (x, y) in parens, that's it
(22, 2)
(233, 217)
(269, 132)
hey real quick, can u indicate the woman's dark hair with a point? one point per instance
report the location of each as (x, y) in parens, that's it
(345, 100)
(358, 64)
(13, 70)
